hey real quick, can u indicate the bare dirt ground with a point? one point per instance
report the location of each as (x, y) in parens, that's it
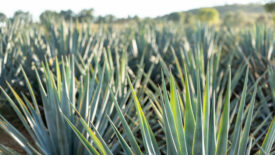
(5, 139)
(9, 142)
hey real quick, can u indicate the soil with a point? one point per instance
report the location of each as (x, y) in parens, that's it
(5, 139)
(9, 142)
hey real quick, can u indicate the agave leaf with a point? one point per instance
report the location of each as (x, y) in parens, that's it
(39, 131)
(168, 125)
(65, 101)
(72, 81)
(224, 122)
(95, 103)
(244, 137)
(173, 124)
(13, 132)
(206, 109)
(238, 123)
(125, 146)
(164, 66)
(237, 76)
(83, 140)
(32, 93)
(189, 120)
(84, 106)
(177, 116)
(212, 127)
(148, 137)
(18, 112)
(198, 142)
(58, 79)
(35, 128)
(269, 139)
(178, 65)
(96, 138)
(126, 127)
(102, 141)
(272, 84)
(7, 150)
(92, 135)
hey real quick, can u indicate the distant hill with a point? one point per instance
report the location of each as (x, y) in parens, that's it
(246, 8)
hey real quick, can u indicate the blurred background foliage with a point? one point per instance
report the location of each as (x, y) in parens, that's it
(227, 15)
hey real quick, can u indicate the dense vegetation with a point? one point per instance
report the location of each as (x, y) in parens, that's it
(145, 86)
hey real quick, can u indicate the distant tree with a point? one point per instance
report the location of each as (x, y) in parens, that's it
(106, 19)
(270, 6)
(209, 15)
(110, 18)
(136, 18)
(67, 14)
(175, 16)
(49, 15)
(100, 19)
(23, 16)
(189, 18)
(3, 17)
(86, 15)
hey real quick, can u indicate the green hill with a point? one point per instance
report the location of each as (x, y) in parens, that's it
(246, 8)
(235, 14)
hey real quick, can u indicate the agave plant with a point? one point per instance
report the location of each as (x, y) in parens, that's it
(62, 93)
(186, 131)
(257, 44)
(255, 48)
(53, 135)
(8, 53)
(195, 60)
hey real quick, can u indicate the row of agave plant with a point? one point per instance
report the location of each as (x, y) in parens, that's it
(85, 115)
(90, 105)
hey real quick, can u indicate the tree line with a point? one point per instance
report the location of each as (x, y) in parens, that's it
(207, 15)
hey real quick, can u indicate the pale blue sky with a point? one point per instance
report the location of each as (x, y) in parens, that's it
(119, 8)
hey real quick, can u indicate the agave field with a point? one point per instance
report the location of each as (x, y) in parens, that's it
(140, 88)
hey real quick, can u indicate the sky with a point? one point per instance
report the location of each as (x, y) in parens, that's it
(119, 8)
